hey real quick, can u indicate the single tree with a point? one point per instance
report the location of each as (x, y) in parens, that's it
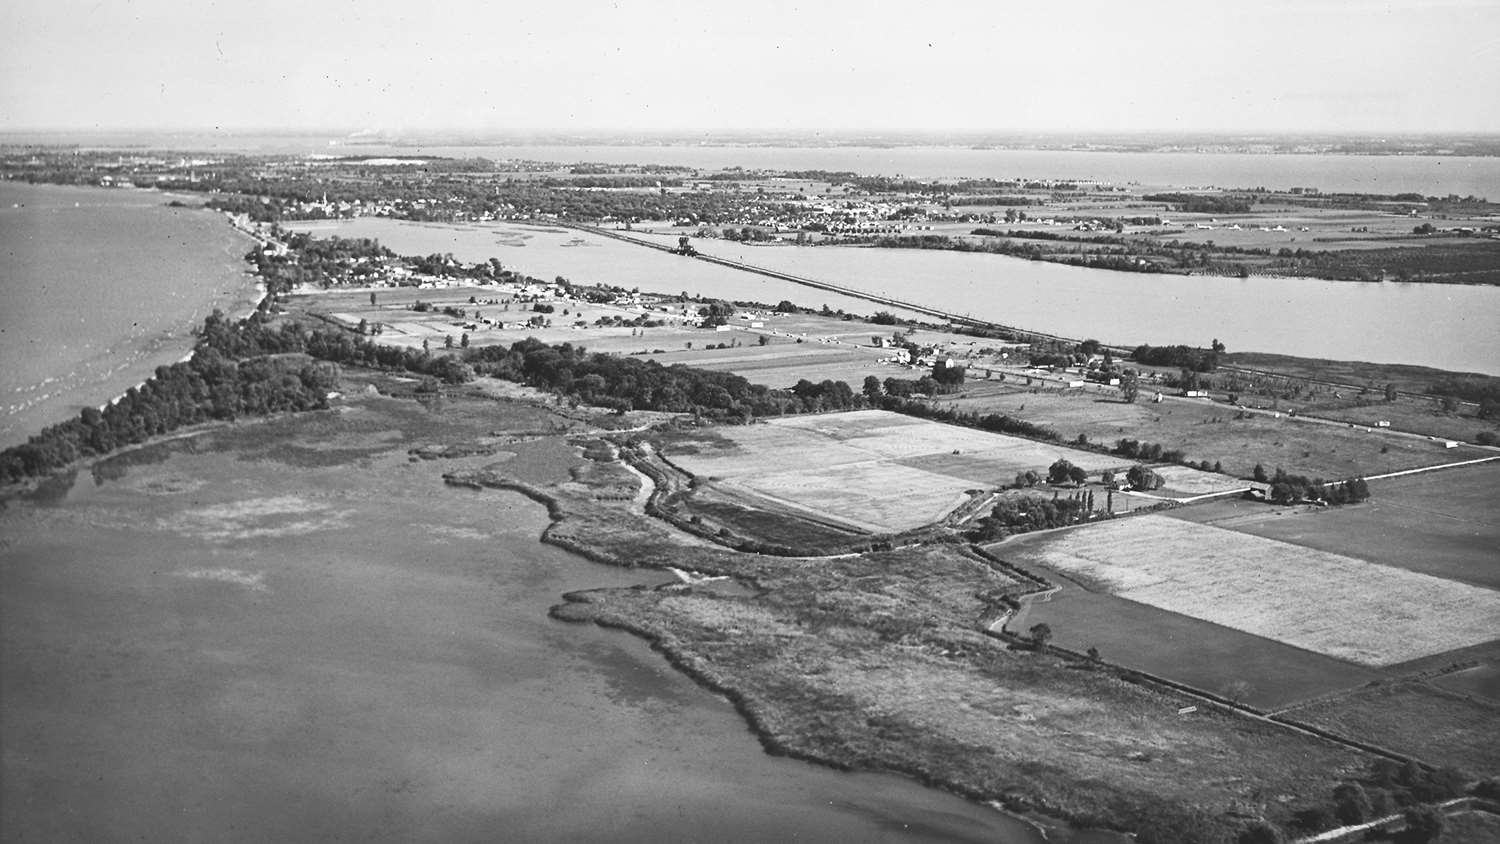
(1141, 478)
(1423, 824)
(1261, 832)
(1351, 805)
(1130, 386)
(1041, 634)
(1060, 471)
(1236, 690)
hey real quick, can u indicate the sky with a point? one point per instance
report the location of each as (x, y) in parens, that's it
(1355, 66)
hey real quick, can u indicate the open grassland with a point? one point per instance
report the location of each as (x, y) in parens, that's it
(1341, 606)
(1209, 431)
(872, 469)
(1436, 726)
(1420, 416)
(1255, 670)
(1442, 523)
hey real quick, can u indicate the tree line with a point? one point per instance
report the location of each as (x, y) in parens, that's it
(236, 370)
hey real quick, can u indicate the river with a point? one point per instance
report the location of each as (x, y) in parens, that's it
(98, 288)
(1440, 325)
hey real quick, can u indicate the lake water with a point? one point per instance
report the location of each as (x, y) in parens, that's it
(1447, 326)
(98, 288)
(1389, 174)
(1429, 175)
(231, 639)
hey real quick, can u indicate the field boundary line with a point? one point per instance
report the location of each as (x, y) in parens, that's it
(1421, 469)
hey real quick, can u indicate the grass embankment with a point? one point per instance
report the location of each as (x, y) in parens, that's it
(879, 661)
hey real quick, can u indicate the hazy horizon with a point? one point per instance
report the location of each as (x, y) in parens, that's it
(1338, 67)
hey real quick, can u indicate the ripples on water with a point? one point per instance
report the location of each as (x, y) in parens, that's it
(100, 287)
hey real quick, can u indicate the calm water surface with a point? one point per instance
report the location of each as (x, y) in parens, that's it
(1429, 175)
(1447, 326)
(98, 288)
(232, 639)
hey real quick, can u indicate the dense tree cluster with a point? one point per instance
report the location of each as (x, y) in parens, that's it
(1482, 390)
(1290, 489)
(628, 383)
(1197, 203)
(236, 370)
(1142, 478)
(1014, 514)
(1105, 256)
(1064, 472)
(1185, 357)
(1137, 450)
(1390, 788)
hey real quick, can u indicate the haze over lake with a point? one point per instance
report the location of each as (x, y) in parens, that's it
(1428, 175)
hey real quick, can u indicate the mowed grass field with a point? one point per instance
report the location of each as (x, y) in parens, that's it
(872, 469)
(1431, 724)
(1442, 523)
(1185, 649)
(1332, 604)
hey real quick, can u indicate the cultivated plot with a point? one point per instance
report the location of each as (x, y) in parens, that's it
(1183, 482)
(1440, 523)
(1329, 603)
(871, 469)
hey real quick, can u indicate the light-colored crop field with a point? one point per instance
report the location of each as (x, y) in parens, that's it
(902, 498)
(1183, 482)
(1344, 607)
(872, 469)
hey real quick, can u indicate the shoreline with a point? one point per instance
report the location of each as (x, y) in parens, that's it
(175, 344)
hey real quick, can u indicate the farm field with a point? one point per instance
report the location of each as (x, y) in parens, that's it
(1482, 680)
(1421, 416)
(1323, 602)
(1209, 431)
(1183, 482)
(1441, 523)
(1435, 726)
(872, 469)
(782, 363)
(1185, 649)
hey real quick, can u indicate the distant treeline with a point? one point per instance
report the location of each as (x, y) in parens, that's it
(1107, 257)
(1184, 357)
(1482, 390)
(1201, 203)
